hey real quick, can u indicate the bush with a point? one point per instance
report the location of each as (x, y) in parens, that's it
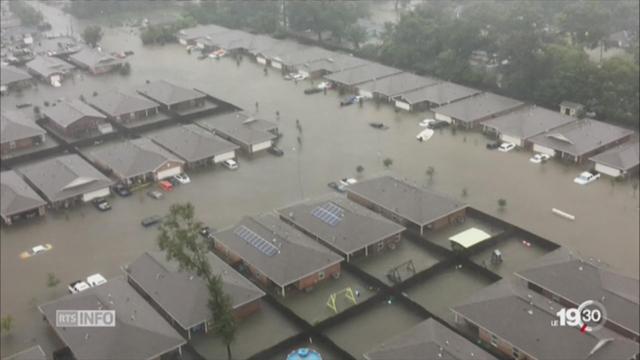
(125, 69)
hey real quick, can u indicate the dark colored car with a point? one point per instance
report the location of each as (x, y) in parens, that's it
(102, 204)
(122, 190)
(274, 150)
(493, 145)
(378, 126)
(313, 90)
(173, 181)
(437, 124)
(348, 101)
(151, 220)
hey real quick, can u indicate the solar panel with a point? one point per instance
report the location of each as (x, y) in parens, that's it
(329, 213)
(256, 240)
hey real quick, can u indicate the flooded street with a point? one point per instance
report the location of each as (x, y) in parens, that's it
(335, 141)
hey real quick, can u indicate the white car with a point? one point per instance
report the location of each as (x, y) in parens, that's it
(230, 164)
(425, 122)
(324, 85)
(182, 178)
(424, 135)
(96, 280)
(348, 181)
(78, 286)
(586, 177)
(506, 147)
(539, 158)
(299, 76)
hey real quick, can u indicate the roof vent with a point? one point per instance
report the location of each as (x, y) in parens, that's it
(530, 311)
(190, 277)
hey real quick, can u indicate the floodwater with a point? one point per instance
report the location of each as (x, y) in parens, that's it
(516, 256)
(334, 141)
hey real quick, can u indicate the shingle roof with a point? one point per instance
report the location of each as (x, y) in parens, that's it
(229, 40)
(235, 126)
(48, 65)
(428, 340)
(91, 58)
(578, 280)
(200, 31)
(68, 112)
(133, 157)
(357, 227)
(167, 93)
(139, 332)
(395, 84)
(527, 122)
(334, 63)
(581, 137)
(297, 255)
(623, 157)
(32, 353)
(362, 74)
(10, 74)
(298, 55)
(185, 296)
(64, 176)
(16, 195)
(420, 206)
(191, 142)
(478, 107)
(116, 103)
(15, 125)
(523, 318)
(442, 93)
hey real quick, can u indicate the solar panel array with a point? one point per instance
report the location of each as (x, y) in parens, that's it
(256, 240)
(329, 213)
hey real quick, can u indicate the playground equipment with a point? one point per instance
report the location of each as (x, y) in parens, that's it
(348, 294)
(304, 354)
(395, 274)
(496, 257)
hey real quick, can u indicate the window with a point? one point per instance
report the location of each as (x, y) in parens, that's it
(494, 340)
(516, 353)
(321, 275)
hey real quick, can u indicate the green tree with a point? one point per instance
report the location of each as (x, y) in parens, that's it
(92, 35)
(52, 280)
(357, 35)
(387, 162)
(180, 239)
(359, 169)
(26, 13)
(502, 204)
(430, 172)
(6, 324)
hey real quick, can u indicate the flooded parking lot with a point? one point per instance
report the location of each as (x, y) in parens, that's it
(334, 141)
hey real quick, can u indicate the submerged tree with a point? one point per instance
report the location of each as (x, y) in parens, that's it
(387, 162)
(359, 169)
(430, 172)
(502, 204)
(6, 324)
(92, 35)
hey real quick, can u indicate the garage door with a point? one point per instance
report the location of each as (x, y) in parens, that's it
(169, 172)
(607, 170)
(223, 157)
(261, 60)
(276, 64)
(443, 117)
(544, 150)
(511, 139)
(403, 105)
(261, 146)
(303, 73)
(96, 194)
(365, 94)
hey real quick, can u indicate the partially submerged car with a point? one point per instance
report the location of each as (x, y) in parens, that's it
(586, 177)
(102, 204)
(539, 158)
(350, 100)
(78, 286)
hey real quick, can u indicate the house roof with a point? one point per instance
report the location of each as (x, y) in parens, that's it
(420, 206)
(442, 93)
(185, 296)
(623, 157)
(478, 107)
(10, 74)
(352, 228)
(581, 137)
(294, 255)
(200, 31)
(523, 318)
(46, 66)
(571, 104)
(91, 58)
(428, 340)
(64, 177)
(116, 103)
(133, 157)
(362, 74)
(16, 195)
(139, 331)
(298, 55)
(259, 43)
(167, 93)
(396, 84)
(235, 126)
(16, 125)
(578, 280)
(527, 122)
(229, 40)
(68, 112)
(334, 63)
(32, 353)
(191, 142)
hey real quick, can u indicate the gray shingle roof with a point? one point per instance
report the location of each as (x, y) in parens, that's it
(133, 157)
(191, 142)
(623, 157)
(116, 103)
(10, 74)
(68, 112)
(32, 353)
(16, 125)
(442, 93)
(579, 280)
(298, 256)
(395, 84)
(184, 296)
(527, 122)
(478, 107)
(523, 318)
(16, 195)
(139, 332)
(420, 206)
(298, 55)
(358, 227)
(200, 31)
(229, 40)
(167, 93)
(362, 74)
(233, 125)
(48, 65)
(88, 57)
(334, 63)
(428, 340)
(64, 176)
(581, 137)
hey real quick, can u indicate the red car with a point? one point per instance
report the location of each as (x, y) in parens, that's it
(165, 185)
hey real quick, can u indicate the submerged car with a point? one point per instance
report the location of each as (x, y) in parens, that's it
(437, 124)
(425, 122)
(586, 177)
(274, 150)
(155, 194)
(493, 145)
(506, 147)
(78, 286)
(539, 158)
(313, 90)
(182, 178)
(230, 164)
(350, 100)
(425, 135)
(102, 204)
(151, 220)
(122, 190)
(96, 280)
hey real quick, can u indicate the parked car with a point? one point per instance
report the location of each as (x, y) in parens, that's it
(539, 158)
(493, 145)
(437, 124)
(38, 249)
(300, 76)
(425, 135)
(182, 178)
(78, 286)
(506, 147)
(122, 190)
(230, 164)
(586, 177)
(425, 122)
(288, 76)
(313, 90)
(217, 54)
(165, 185)
(334, 185)
(151, 220)
(155, 194)
(348, 181)
(102, 204)
(173, 181)
(274, 150)
(325, 85)
(378, 125)
(350, 100)
(96, 280)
